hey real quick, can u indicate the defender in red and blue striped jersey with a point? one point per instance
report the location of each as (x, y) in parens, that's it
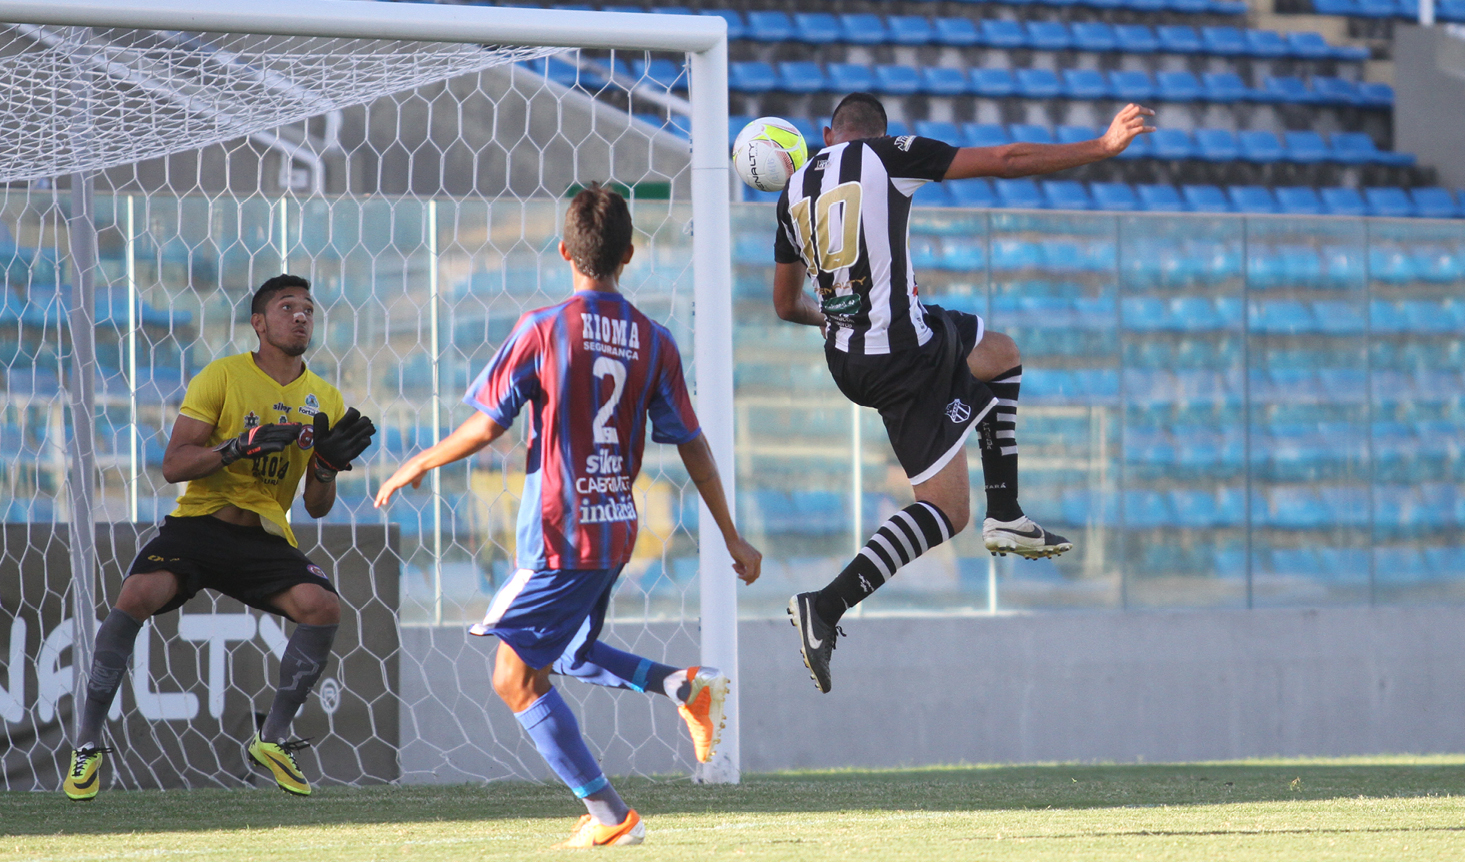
(596, 369)
(591, 371)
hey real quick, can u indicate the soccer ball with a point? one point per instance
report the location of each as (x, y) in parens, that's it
(767, 152)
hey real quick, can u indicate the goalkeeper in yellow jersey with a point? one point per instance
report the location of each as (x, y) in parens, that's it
(250, 428)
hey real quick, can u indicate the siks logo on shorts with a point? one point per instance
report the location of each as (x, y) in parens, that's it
(957, 411)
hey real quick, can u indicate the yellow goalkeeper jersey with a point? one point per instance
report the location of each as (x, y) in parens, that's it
(233, 395)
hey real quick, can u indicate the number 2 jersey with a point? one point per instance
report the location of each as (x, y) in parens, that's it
(233, 394)
(846, 215)
(592, 369)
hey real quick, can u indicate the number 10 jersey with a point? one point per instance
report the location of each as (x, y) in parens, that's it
(592, 369)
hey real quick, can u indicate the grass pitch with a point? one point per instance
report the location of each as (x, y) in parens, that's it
(1355, 808)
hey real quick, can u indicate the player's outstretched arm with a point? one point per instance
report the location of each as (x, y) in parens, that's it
(789, 298)
(697, 456)
(1025, 160)
(472, 435)
(189, 456)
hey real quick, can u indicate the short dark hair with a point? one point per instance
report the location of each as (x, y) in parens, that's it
(597, 231)
(860, 113)
(273, 286)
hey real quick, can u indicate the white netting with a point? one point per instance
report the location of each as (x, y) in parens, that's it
(420, 188)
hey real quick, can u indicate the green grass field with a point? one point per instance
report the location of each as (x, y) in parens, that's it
(1355, 808)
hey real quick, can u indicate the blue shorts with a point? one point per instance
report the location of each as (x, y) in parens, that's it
(542, 615)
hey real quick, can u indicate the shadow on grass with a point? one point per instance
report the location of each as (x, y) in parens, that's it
(958, 788)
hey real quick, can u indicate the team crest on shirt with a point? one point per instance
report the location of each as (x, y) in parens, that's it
(307, 437)
(316, 570)
(312, 406)
(251, 420)
(903, 143)
(957, 411)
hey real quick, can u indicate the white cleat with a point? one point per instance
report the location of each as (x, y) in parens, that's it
(1022, 537)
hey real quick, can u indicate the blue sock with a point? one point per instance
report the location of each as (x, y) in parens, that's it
(608, 666)
(552, 726)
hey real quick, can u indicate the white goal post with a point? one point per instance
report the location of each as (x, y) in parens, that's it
(704, 38)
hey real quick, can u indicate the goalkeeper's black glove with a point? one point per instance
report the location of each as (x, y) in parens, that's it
(259, 441)
(336, 446)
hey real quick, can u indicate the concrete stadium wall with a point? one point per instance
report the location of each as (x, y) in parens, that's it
(1100, 686)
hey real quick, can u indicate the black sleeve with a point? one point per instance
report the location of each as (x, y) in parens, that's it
(784, 250)
(914, 157)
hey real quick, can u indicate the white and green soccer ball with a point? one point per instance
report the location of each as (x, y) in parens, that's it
(767, 152)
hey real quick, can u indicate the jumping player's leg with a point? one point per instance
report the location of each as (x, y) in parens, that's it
(996, 361)
(549, 722)
(317, 614)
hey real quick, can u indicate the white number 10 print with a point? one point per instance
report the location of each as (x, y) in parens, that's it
(616, 371)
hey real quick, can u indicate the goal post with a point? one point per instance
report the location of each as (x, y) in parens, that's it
(702, 38)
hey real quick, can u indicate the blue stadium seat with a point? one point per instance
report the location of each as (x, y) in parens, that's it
(910, 29)
(1299, 200)
(1138, 38)
(1223, 41)
(1160, 198)
(1048, 36)
(1205, 199)
(985, 134)
(1038, 84)
(1142, 147)
(897, 80)
(1030, 133)
(1435, 202)
(944, 81)
(1260, 146)
(1355, 148)
(1066, 195)
(999, 33)
(737, 28)
(1450, 10)
(1375, 94)
(1226, 87)
(1188, 7)
(1346, 8)
(932, 195)
(863, 28)
(1306, 147)
(1131, 86)
(975, 193)
(1266, 43)
(897, 128)
(1085, 84)
(1149, 7)
(735, 123)
(1018, 194)
(1287, 89)
(850, 77)
(1115, 197)
(801, 76)
(1388, 201)
(993, 83)
(663, 73)
(939, 130)
(752, 76)
(1179, 39)
(1233, 8)
(1335, 91)
(1378, 8)
(1093, 36)
(1172, 144)
(960, 32)
(1076, 134)
(770, 26)
(1252, 199)
(1343, 201)
(1177, 87)
(1217, 145)
(1309, 46)
(813, 133)
(816, 27)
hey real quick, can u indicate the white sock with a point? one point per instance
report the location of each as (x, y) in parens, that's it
(677, 686)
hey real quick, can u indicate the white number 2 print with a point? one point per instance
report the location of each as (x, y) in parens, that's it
(616, 371)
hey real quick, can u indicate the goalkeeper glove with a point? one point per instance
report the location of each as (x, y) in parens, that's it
(336, 446)
(258, 441)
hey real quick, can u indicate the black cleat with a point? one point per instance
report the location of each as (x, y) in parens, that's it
(816, 638)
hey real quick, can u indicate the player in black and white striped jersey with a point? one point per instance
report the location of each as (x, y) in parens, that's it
(934, 374)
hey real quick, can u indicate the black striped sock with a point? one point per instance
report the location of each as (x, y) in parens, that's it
(908, 534)
(998, 435)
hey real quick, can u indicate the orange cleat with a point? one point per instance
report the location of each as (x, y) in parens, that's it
(588, 833)
(702, 710)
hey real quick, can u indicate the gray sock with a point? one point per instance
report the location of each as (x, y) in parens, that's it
(305, 659)
(606, 806)
(110, 656)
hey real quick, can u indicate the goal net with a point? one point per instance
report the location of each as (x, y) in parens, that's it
(159, 161)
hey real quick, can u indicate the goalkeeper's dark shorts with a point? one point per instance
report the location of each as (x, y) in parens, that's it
(244, 563)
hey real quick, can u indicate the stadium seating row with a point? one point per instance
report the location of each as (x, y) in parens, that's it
(1122, 197)
(742, 26)
(1096, 36)
(1202, 313)
(1444, 10)
(806, 76)
(1278, 386)
(1427, 508)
